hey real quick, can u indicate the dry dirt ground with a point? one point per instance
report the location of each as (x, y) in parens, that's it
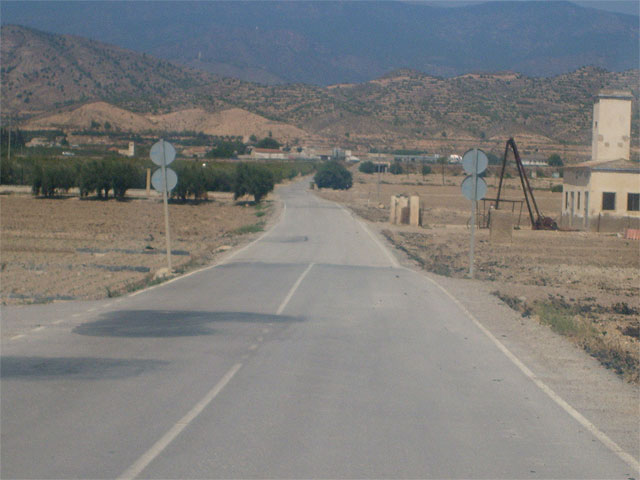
(67, 248)
(585, 285)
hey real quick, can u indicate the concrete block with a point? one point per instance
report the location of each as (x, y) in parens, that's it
(500, 226)
(392, 209)
(402, 210)
(414, 210)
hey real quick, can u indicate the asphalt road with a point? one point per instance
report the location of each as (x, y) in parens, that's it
(308, 354)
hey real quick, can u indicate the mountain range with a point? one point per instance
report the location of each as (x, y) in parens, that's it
(329, 42)
(47, 77)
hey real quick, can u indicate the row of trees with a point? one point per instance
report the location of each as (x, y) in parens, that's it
(111, 178)
(100, 177)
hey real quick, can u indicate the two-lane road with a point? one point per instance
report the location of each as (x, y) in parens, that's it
(308, 354)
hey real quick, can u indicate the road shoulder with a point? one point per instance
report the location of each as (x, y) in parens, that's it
(605, 399)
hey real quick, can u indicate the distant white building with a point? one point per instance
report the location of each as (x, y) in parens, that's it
(130, 151)
(611, 126)
(268, 154)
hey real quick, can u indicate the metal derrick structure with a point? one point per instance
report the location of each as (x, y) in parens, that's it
(538, 222)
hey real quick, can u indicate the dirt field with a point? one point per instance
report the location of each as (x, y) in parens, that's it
(67, 248)
(584, 285)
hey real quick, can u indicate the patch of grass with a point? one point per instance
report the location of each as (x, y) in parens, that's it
(261, 213)
(572, 321)
(514, 303)
(254, 228)
(563, 319)
(623, 309)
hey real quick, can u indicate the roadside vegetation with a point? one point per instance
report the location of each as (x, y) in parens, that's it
(333, 175)
(105, 178)
(578, 320)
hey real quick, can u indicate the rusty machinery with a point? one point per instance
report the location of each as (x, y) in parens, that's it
(539, 222)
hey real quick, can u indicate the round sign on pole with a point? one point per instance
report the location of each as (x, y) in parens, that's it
(467, 188)
(157, 180)
(468, 160)
(162, 152)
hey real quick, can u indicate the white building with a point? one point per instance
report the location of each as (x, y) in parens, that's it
(604, 193)
(611, 126)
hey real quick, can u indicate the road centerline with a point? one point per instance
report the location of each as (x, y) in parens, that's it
(134, 470)
(158, 447)
(287, 299)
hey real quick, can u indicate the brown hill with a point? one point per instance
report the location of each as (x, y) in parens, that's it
(99, 112)
(233, 122)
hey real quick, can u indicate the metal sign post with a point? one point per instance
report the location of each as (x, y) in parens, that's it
(474, 161)
(162, 153)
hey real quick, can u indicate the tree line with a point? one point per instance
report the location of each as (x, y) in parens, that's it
(113, 177)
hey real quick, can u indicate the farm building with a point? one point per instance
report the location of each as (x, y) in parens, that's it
(604, 193)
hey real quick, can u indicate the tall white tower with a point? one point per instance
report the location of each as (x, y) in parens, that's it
(611, 125)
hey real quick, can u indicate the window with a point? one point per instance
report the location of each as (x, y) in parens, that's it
(566, 200)
(633, 202)
(608, 201)
(578, 207)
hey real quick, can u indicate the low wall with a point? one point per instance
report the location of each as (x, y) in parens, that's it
(600, 223)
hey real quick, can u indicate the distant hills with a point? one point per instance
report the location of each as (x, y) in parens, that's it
(46, 78)
(329, 42)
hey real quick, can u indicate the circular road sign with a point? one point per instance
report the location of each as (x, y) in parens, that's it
(467, 188)
(157, 180)
(468, 160)
(162, 152)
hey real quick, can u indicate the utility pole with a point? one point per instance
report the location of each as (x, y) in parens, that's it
(9, 143)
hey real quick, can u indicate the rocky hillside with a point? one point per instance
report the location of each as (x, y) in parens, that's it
(44, 74)
(43, 71)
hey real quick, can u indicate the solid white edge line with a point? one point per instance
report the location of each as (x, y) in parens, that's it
(376, 240)
(285, 302)
(221, 262)
(581, 419)
(390, 256)
(134, 470)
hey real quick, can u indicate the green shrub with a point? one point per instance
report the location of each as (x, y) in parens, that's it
(252, 179)
(367, 167)
(556, 188)
(124, 175)
(51, 178)
(102, 176)
(226, 149)
(396, 169)
(7, 172)
(426, 169)
(191, 181)
(333, 175)
(218, 179)
(555, 161)
(268, 142)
